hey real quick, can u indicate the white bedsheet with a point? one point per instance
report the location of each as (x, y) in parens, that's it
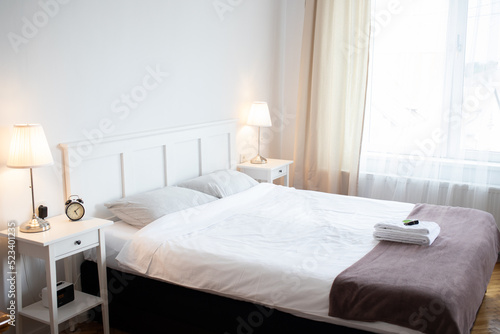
(272, 245)
(116, 236)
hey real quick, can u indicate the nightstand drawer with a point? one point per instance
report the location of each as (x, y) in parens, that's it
(77, 243)
(272, 170)
(278, 172)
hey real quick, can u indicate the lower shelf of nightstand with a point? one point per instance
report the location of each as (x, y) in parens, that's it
(82, 303)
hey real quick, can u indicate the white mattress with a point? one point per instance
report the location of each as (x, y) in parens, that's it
(271, 245)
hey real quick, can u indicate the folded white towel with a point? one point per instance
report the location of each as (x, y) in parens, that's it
(423, 227)
(410, 238)
(423, 233)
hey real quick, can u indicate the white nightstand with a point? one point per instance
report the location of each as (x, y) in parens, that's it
(274, 169)
(64, 239)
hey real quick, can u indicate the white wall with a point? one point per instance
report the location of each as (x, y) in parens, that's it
(83, 69)
(292, 44)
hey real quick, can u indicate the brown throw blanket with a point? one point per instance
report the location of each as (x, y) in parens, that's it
(432, 289)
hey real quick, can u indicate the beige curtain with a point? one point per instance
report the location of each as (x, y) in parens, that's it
(332, 93)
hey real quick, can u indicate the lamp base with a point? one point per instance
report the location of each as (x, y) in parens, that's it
(34, 225)
(259, 160)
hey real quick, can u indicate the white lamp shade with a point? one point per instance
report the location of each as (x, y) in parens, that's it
(259, 115)
(29, 147)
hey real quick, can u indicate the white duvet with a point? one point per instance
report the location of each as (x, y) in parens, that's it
(272, 245)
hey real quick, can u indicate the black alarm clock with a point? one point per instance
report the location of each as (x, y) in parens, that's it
(74, 207)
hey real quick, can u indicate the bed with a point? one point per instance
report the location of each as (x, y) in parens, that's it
(255, 257)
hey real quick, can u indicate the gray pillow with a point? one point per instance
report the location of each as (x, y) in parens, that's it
(141, 209)
(220, 183)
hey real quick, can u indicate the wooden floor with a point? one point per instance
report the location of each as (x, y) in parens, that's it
(488, 318)
(487, 321)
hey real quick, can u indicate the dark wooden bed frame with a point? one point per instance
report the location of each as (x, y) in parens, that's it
(142, 305)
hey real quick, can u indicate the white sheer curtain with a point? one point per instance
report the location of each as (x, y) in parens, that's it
(334, 69)
(432, 126)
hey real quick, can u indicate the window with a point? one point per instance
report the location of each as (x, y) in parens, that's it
(433, 104)
(481, 101)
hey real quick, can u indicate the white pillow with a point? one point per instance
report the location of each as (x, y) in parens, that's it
(141, 209)
(220, 183)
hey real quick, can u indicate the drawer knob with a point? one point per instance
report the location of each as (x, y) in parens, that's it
(78, 242)
(281, 171)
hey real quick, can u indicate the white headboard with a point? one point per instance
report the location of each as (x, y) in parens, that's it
(108, 168)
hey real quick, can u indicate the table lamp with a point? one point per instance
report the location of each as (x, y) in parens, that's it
(29, 149)
(259, 116)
